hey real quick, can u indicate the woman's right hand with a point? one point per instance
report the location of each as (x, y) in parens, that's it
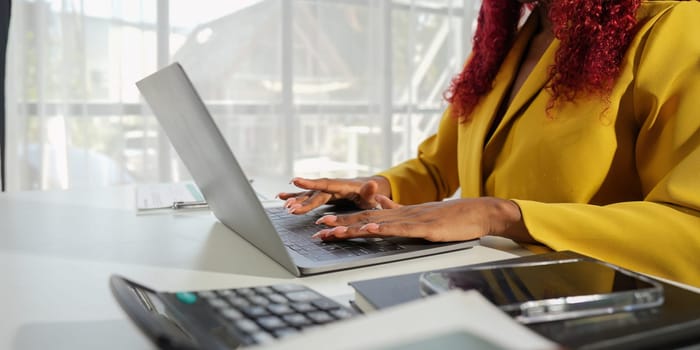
(359, 191)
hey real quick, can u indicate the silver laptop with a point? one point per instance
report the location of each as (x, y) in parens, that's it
(281, 236)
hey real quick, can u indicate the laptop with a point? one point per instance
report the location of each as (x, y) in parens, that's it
(283, 237)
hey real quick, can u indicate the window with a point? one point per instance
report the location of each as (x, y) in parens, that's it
(302, 87)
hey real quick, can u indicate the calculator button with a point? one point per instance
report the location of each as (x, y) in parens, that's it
(218, 303)
(296, 320)
(305, 295)
(320, 317)
(341, 313)
(280, 309)
(186, 297)
(207, 294)
(245, 291)
(255, 311)
(231, 314)
(238, 301)
(271, 322)
(277, 298)
(247, 326)
(259, 300)
(303, 307)
(325, 304)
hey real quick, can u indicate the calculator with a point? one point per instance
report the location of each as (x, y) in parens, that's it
(225, 318)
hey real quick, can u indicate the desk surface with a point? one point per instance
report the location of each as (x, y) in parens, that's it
(58, 248)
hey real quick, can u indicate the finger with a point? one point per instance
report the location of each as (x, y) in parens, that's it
(289, 202)
(362, 217)
(330, 232)
(367, 193)
(342, 233)
(393, 229)
(314, 201)
(368, 216)
(386, 203)
(327, 220)
(287, 195)
(300, 197)
(372, 230)
(324, 184)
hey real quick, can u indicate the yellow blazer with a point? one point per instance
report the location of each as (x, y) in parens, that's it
(616, 179)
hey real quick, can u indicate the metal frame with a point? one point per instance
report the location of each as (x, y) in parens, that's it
(4, 31)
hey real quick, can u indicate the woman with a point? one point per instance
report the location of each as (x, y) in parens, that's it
(578, 131)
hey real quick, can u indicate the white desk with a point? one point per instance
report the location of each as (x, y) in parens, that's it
(57, 250)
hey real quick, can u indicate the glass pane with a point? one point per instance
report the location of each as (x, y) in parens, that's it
(77, 151)
(85, 54)
(231, 50)
(337, 146)
(333, 59)
(429, 42)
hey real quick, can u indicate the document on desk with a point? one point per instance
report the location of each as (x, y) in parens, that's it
(454, 320)
(168, 196)
(175, 196)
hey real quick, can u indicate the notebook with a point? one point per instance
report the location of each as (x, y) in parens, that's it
(204, 151)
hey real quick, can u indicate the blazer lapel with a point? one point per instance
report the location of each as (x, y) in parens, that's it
(473, 134)
(533, 85)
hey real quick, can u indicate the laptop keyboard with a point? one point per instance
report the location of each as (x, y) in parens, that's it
(296, 230)
(261, 314)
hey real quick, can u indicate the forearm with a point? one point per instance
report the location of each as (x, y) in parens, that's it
(650, 237)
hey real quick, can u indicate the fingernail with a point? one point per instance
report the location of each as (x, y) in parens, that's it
(320, 234)
(331, 218)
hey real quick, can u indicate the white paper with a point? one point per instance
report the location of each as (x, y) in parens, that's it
(465, 317)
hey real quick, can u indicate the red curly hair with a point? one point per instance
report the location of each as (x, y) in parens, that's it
(593, 35)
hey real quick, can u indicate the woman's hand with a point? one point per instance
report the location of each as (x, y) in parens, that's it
(452, 220)
(361, 192)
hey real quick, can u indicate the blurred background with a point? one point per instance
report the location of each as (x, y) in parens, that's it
(335, 88)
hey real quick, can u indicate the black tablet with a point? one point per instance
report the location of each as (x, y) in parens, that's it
(551, 290)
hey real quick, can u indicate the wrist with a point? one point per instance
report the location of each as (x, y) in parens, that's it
(510, 222)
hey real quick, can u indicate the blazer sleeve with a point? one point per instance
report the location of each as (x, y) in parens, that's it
(661, 234)
(432, 174)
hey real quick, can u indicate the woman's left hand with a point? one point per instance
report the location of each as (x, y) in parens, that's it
(452, 220)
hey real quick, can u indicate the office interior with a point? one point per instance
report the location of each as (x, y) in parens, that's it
(299, 88)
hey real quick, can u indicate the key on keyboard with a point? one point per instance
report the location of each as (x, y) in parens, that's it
(296, 230)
